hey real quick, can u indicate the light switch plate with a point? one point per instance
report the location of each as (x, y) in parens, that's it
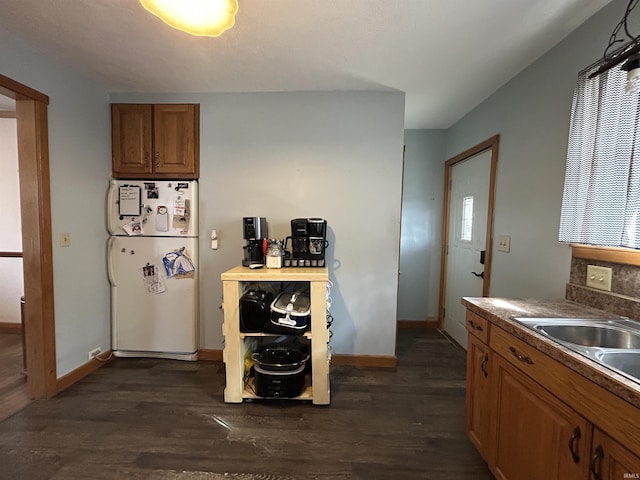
(504, 243)
(65, 239)
(599, 277)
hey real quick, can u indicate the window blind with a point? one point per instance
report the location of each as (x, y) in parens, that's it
(601, 198)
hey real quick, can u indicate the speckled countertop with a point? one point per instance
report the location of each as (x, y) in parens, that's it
(499, 311)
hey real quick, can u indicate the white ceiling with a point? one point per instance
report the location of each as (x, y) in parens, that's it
(446, 55)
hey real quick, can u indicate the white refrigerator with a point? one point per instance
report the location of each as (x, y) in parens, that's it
(152, 262)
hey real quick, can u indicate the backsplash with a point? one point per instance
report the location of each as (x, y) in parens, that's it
(624, 297)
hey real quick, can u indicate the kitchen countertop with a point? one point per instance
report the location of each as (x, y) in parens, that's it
(499, 311)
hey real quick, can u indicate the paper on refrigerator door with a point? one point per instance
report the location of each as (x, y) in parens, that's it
(153, 279)
(178, 264)
(133, 228)
(129, 200)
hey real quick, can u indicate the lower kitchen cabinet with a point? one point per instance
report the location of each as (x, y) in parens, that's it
(532, 418)
(535, 435)
(478, 395)
(610, 460)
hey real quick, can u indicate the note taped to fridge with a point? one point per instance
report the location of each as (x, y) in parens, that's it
(129, 201)
(153, 281)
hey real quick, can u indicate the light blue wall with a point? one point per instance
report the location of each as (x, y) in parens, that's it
(80, 165)
(531, 113)
(421, 237)
(259, 153)
(335, 155)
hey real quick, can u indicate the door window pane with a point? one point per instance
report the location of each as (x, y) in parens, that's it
(467, 219)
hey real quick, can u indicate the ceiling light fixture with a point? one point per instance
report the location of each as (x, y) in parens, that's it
(204, 18)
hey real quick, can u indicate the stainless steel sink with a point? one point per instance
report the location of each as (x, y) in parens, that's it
(626, 362)
(614, 344)
(604, 336)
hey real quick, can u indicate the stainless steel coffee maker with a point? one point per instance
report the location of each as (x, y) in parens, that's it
(255, 233)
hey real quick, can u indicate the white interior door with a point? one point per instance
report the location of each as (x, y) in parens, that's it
(468, 210)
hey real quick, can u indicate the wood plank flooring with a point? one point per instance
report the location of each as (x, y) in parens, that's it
(163, 419)
(13, 382)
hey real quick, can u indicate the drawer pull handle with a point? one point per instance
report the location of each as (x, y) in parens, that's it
(575, 436)
(483, 365)
(520, 356)
(475, 327)
(593, 466)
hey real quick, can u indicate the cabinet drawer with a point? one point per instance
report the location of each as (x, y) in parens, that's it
(477, 326)
(522, 355)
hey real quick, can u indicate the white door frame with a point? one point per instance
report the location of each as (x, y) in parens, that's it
(492, 144)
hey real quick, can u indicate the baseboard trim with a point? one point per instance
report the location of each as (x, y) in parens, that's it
(377, 361)
(428, 323)
(82, 371)
(209, 355)
(10, 327)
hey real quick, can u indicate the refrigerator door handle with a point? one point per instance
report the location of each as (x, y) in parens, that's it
(110, 243)
(113, 187)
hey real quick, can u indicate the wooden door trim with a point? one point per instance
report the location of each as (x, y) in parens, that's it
(16, 90)
(491, 143)
(33, 160)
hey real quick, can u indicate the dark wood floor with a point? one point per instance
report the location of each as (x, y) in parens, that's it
(13, 382)
(162, 419)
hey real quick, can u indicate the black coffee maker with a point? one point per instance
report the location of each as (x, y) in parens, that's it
(255, 233)
(308, 242)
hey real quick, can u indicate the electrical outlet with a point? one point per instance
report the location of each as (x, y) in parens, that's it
(599, 277)
(94, 353)
(504, 243)
(65, 239)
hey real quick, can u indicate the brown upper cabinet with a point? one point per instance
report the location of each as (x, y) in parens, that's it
(155, 140)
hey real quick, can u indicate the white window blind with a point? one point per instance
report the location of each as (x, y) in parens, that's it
(601, 199)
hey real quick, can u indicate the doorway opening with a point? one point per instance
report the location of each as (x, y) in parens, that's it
(35, 206)
(13, 382)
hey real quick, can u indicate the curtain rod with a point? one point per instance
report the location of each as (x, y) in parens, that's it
(624, 53)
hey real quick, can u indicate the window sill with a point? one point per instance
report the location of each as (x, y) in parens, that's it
(626, 256)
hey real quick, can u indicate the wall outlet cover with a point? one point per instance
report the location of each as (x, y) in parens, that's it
(94, 353)
(599, 277)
